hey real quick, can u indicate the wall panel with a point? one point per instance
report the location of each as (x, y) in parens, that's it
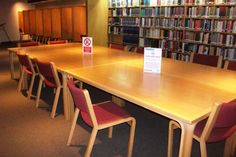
(39, 22)
(79, 22)
(21, 21)
(56, 22)
(32, 22)
(47, 22)
(26, 21)
(66, 23)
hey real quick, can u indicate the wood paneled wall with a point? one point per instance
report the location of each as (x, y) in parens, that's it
(65, 22)
(32, 22)
(21, 21)
(47, 22)
(39, 22)
(26, 21)
(79, 17)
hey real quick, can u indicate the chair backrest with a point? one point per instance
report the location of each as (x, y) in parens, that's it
(83, 102)
(30, 43)
(57, 42)
(139, 49)
(222, 116)
(210, 60)
(48, 71)
(25, 61)
(115, 46)
(230, 65)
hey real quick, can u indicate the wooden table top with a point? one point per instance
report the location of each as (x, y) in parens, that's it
(69, 56)
(183, 91)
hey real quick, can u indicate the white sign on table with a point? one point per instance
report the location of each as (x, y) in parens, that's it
(152, 60)
(87, 45)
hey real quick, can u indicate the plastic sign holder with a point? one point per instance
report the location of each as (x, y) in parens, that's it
(152, 60)
(87, 45)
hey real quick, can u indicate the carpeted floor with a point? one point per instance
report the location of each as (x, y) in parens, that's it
(29, 132)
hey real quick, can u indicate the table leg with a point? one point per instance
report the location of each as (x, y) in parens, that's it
(11, 60)
(186, 139)
(65, 96)
(67, 99)
(118, 101)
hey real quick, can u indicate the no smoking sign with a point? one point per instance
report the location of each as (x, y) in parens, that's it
(87, 45)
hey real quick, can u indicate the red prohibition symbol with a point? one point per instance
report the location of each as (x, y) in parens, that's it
(87, 42)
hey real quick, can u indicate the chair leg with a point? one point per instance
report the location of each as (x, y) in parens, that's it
(91, 142)
(228, 146)
(21, 79)
(39, 92)
(172, 125)
(55, 102)
(31, 86)
(76, 114)
(233, 145)
(131, 137)
(203, 148)
(110, 132)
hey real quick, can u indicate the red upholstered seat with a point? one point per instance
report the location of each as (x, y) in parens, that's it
(57, 42)
(105, 112)
(30, 43)
(115, 46)
(98, 116)
(139, 50)
(205, 59)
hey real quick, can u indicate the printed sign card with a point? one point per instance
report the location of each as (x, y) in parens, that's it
(152, 60)
(87, 45)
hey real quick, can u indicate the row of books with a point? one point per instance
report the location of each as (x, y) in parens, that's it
(123, 30)
(226, 53)
(206, 11)
(124, 21)
(136, 3)
(123, 3)
(124, 12)
(163, 11)
(160, 34)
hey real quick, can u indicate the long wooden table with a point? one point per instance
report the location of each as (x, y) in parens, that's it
(184, 92)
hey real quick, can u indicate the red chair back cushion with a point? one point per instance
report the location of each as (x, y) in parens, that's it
(46, 70)
(23, 59)
(78, 96)
(232, 65)
(205, 59)
(31, 43)
(119, 47)
(57, 42)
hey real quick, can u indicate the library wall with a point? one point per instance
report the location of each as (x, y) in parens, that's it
(39, 22)
(47, 22)
(79, 16)
(66, 23)
(97, 21)
(56, 22)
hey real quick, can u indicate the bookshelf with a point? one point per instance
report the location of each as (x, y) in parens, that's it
(177, 26)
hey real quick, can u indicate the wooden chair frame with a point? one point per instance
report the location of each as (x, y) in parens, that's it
(230, 142)
(219, 63)
(22, 76)
(130, 120)
(57, 93)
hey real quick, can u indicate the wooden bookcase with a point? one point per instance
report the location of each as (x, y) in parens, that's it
(177, 26)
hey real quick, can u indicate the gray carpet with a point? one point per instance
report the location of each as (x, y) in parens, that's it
(29, 132)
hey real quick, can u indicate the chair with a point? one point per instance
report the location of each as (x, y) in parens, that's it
(220, 125)
(30, 43)
(210, 60)
(230, 65)
(98, 116)
(27, 67)
(139, 50)
(115, 46)
(49, 75)
(57, 42)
